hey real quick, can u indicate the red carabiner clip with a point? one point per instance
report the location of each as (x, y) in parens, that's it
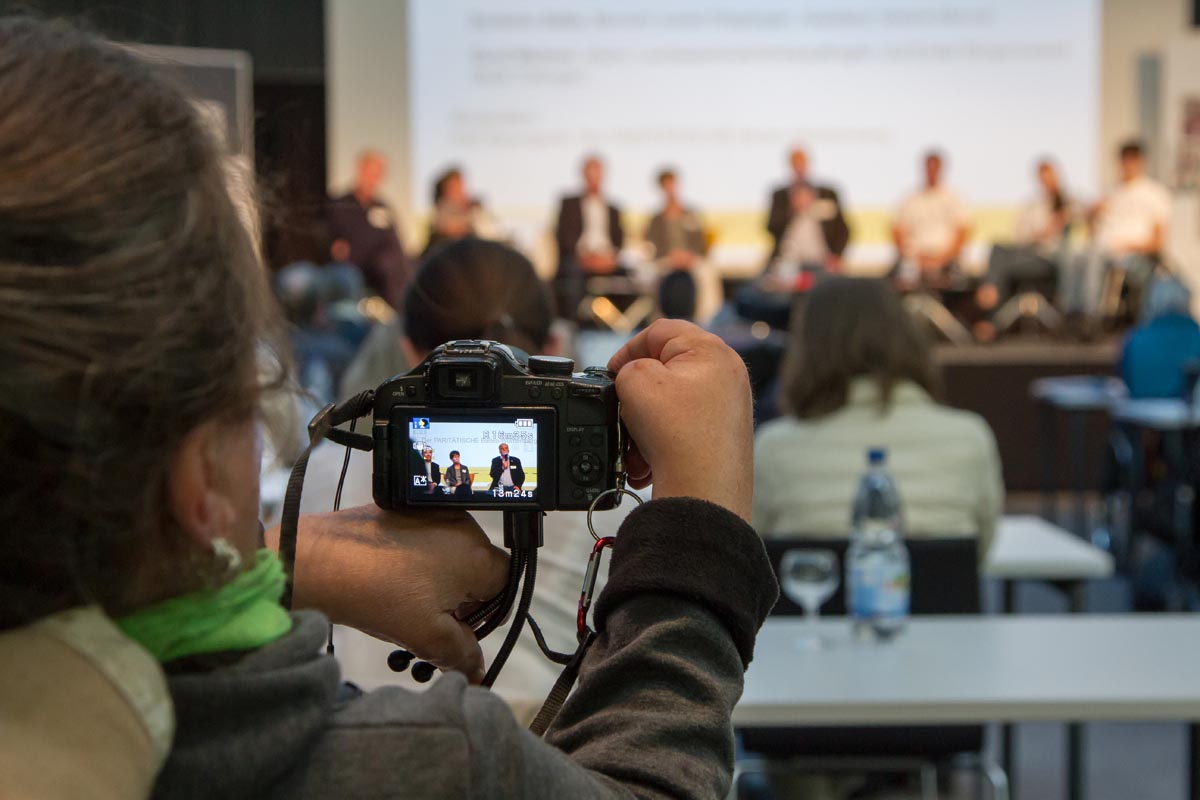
(589, 583)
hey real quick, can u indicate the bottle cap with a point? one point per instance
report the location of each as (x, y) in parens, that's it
(876, 456)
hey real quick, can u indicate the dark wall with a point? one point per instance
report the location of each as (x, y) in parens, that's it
(286, 41)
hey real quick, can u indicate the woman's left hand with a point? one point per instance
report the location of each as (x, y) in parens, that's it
(403, 576)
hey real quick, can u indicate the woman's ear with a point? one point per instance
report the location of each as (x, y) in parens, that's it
(197, 503)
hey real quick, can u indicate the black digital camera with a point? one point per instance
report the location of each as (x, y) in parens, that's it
(480, 425)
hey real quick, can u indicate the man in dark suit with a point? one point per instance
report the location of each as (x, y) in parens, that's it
(430, 470)
(365, 232)
(506, 471)
(589, 237)
(806, 221)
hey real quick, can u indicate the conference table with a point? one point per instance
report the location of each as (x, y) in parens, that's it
(976, 670)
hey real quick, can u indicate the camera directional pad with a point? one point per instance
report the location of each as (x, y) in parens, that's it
(585, 467)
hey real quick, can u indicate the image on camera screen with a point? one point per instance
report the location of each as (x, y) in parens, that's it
(475, 460)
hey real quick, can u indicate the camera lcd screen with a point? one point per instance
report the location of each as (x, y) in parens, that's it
(478, 460)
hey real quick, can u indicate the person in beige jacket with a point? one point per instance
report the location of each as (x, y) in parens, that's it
(858, 375)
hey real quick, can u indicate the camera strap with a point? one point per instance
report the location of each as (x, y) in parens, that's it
(566, 679)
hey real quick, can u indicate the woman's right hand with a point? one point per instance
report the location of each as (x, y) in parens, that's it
(686, 401)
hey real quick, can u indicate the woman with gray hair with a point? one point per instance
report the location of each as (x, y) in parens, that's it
(1157, 352)
(134, 311)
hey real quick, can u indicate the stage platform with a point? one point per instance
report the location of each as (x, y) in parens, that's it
(993, 381)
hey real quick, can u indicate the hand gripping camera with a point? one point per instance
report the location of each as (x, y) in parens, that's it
(479, 425)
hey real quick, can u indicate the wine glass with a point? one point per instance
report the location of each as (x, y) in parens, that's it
(809, 578)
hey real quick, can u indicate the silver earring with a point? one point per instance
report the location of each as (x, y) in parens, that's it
(227, 561)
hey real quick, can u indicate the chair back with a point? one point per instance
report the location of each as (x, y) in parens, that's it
(945, 574)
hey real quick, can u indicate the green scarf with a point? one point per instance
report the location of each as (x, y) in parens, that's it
(244, 614)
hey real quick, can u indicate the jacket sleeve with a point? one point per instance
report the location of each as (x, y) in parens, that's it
(777, 217)
(689, 587)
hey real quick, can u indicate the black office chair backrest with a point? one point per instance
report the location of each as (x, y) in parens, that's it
(945, 574)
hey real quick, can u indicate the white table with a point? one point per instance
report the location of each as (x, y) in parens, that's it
(1030, 548)
(947, 670)
(1027, 548)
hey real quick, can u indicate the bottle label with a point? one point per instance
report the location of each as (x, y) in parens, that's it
(879, 587)
(893, 590)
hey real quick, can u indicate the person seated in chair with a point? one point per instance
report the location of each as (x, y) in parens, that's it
(1158, 353)
(458, 477)
(931, 229)
(806, 224)
(589, 237)
(431, 470)
(858, 374)
(456, 213)
(1129, 229)
(677, 235)
(1040, 236)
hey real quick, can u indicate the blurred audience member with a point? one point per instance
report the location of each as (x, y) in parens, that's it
(589, 237)
(365, 231)
(309, 296)
(1158, 351)
(456, 214)
(931, 228)
(677, 236)
(806, 223)
(468, 289)
(858, 374)
(1129, 227)
(1038, 244)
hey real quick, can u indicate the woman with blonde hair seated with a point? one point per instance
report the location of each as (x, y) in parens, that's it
(858, 374)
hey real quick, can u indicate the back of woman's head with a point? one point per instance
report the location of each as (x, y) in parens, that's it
(476, 289)
(850, 328)
(132, 304)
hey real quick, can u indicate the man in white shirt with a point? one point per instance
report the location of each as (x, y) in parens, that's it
(1129, 229)
(931, 228)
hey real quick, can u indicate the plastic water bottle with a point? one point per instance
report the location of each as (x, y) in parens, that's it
(878, 576)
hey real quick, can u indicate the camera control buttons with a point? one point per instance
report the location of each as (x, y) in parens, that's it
(551, 365)
(556, 393)
(596, 439)
(535, 392)
(575, 440)
(411, 391)
(585, 468)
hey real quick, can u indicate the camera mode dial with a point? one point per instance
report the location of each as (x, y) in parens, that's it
(551, 365)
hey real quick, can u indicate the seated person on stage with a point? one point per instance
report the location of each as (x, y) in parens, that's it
(458, 477)
(506, 471)
(858, 374)
(1038, 245)
(589, 237)
(677, 235)
(433, 473)
(806, 224)
(365, 232)
(456, 214)
(1129, 228)
(930, 230)
(129, 446)
(1159, 351)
